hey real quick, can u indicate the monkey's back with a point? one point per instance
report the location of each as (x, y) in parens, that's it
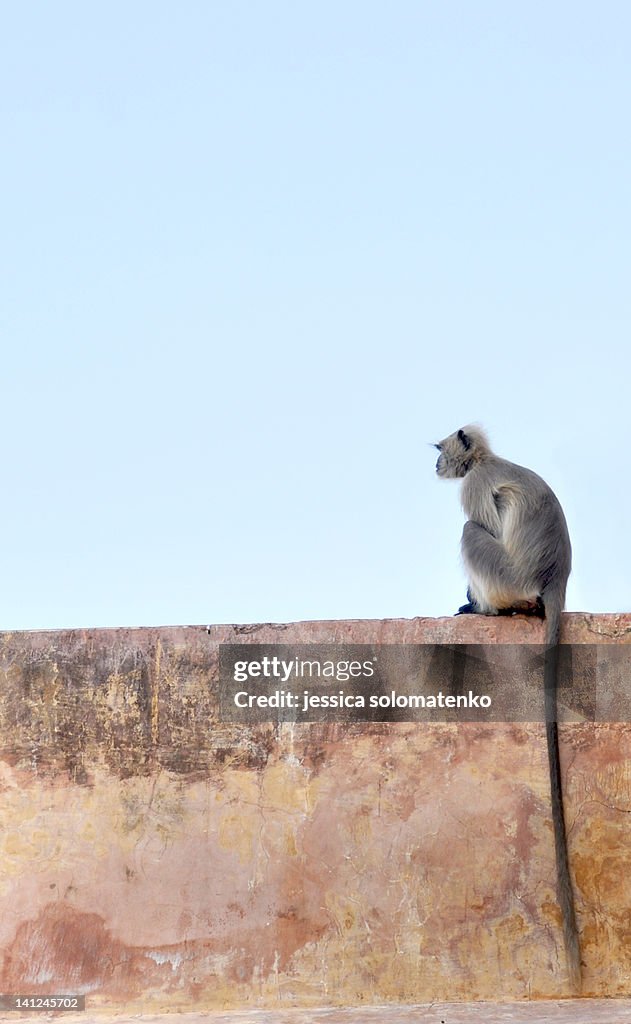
(522, 511)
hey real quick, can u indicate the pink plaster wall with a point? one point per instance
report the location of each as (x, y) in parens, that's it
(155, 858)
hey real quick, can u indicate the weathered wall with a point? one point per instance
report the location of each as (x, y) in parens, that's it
(155, 858)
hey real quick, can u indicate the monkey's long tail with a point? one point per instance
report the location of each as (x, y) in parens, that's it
(564, 882)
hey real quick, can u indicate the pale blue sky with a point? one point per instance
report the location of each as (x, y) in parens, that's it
(257, 255)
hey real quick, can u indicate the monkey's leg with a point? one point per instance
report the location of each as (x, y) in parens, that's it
(471, 608)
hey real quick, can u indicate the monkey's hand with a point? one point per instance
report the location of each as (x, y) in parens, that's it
(470, 608)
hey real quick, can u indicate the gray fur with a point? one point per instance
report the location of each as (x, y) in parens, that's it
(517, 555)
(515, 544)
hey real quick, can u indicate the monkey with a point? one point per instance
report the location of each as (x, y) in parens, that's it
(517, 555)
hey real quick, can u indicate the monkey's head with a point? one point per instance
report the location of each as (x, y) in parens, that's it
(460, 451)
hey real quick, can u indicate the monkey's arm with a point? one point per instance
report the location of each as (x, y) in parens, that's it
(495, 587)
(486, 556)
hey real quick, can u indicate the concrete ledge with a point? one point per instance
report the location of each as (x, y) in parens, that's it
(571, 1011)
(158, 859)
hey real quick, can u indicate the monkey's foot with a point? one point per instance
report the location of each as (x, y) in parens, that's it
(467, 609)
(536, 608)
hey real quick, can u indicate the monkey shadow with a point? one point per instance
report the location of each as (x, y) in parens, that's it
(512, 676)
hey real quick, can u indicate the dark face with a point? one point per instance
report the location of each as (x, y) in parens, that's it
(454, 460)
(440, 462)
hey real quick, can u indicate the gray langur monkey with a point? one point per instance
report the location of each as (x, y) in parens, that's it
(517, 555)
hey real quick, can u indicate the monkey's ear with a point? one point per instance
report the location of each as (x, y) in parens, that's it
(439, 446)
(466, 441)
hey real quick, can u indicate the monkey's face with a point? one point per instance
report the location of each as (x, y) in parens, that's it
(441, 462)
(454, 460)
(445, 467)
